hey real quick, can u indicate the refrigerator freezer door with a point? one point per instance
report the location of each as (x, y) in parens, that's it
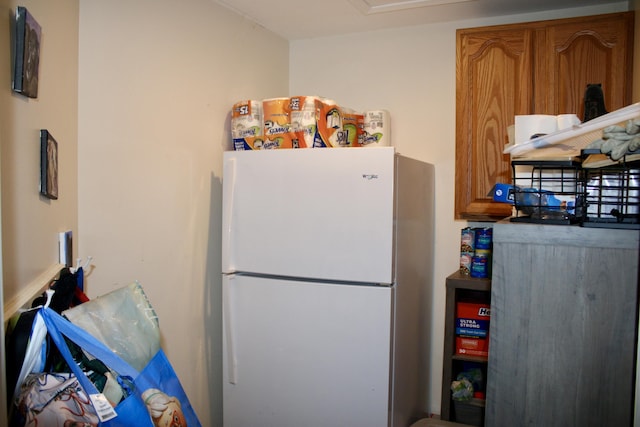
(305, 354)
(312, 213)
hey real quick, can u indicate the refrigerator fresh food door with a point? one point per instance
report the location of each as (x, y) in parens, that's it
(305, 353)
(321, 213)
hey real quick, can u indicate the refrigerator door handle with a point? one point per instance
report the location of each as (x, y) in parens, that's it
(229, 185)
(229, 329)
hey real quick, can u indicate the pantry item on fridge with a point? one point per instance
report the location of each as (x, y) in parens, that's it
(353, 126)
(377, 128)
(277, 124)
(303, 120)
(330, 132)
(246, 125)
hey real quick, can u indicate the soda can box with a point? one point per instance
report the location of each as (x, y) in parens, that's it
(472, 346)
(472, 319)
(503, 193)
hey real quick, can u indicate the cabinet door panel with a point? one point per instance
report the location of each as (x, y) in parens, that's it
(494, 84)
(590, 50)
(563, 326)
(538, 67)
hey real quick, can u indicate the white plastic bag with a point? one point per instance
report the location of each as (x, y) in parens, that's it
(124, 321)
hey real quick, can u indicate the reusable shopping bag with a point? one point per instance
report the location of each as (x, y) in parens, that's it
(53, 399)
(154, 396)
(26, 337)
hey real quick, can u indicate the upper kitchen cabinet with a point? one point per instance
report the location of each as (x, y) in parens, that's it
(538, 67)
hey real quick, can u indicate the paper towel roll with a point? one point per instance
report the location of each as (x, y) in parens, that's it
(303, 119)
(329, 131)
(377, 128)
(353, 127)
(529, 125)
(277, 124)
(246, 125)
(567, 121)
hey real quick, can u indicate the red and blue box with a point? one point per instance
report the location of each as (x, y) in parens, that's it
(472, 328)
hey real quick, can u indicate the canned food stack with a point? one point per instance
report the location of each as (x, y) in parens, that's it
(475, 251)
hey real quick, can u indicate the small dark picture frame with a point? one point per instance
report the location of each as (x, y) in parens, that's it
(48, 165)
(26, 51)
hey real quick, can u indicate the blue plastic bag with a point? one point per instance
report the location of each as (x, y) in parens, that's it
(155, 395)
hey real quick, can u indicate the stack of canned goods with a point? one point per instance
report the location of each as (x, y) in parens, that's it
(475, 251)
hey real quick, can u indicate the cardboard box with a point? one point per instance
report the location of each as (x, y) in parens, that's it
(472, 319)
(472, 328)
(472, 346)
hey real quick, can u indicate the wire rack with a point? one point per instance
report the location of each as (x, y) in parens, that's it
(612, 196)
(548, 192)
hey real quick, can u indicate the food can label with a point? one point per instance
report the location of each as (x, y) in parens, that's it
(480, 266)
(465, 263)
(483, 238)
(467, 240)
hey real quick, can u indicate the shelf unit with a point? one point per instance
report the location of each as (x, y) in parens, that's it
(460, 288)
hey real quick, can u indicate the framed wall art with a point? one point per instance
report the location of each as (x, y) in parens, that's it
(26, 61)
(48, 165)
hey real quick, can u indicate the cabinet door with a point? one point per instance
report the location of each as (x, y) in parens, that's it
(494, 83)
(563, 326)
(531, 68)
(575, 52)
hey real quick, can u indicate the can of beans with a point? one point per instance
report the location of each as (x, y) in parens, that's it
(467, 240)
(483, 238)
(465, 263)
(480, 266)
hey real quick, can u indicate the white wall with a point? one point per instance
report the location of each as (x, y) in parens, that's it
(411, 73)
(157, 82)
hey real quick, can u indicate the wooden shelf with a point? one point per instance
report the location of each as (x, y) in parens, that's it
(459, 287)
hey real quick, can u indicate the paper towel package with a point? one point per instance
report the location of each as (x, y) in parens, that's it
(277, 124)
(353, 127)
(306, 122)
(329, 131)
(246, 125)
(377, 128)
(303, 120)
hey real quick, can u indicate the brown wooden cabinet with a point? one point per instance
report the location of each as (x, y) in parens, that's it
(538, 67)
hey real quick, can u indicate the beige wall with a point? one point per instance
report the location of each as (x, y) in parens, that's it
(157, 82)
(31, 223)
(411, 73)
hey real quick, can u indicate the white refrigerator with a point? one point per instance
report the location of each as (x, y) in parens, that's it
(327, 273)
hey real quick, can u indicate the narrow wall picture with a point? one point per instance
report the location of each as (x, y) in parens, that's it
(26, 61)
(48, 165)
